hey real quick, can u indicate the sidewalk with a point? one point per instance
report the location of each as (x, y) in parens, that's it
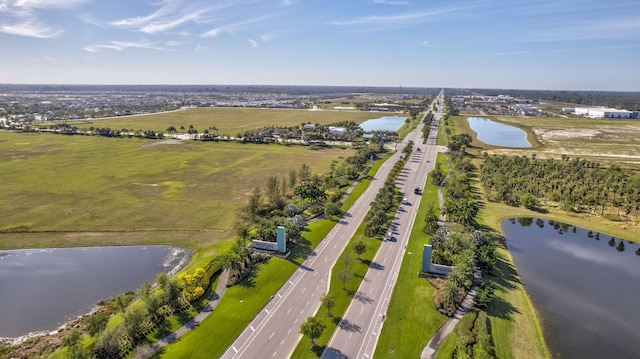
(213, 303)
(446, 329)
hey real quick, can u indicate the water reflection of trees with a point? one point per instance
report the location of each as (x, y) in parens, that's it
(563, 228)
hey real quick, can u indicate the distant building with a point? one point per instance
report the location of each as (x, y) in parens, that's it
(344, 108)
(603, 112)
(309, 126)
(526, 110)
(337, 130)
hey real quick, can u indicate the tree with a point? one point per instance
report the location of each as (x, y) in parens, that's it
(437, 176)
(430, 221)
(304, 173)
(74, 337)
(121, 301)
(359, 247)
(344, 276)
(108, 343)
(328, 301)
(529, 201)
(331, 209)
(134, 318)
(96, 323)
(274, 191)
(312, 328)
(171, 130)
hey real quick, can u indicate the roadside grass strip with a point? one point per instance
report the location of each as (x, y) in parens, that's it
(364, 183)
(242, 302)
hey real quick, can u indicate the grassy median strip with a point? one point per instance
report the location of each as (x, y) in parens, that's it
(411, 310)
(342, 295)
(363, 184)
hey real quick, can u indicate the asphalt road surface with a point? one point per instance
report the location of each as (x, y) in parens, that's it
(357, 333)
(274, 332)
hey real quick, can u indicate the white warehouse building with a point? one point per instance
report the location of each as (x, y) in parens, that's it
(603, 112)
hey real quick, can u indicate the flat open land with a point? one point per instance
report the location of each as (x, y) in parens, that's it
(228, 121)
(81, 190)
(600, 140)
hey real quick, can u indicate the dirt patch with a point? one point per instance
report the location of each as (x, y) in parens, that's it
(160, 143)
(553, 134)
(83, 234)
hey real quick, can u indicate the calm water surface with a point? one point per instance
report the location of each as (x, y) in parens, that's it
(498, 134)
(386, 123)
(41, 289)
(585, 290)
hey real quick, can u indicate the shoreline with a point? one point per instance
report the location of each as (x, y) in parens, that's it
(186, 255)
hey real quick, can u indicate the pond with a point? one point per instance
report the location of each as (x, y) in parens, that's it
(385, 123)
(498, 134)
(41, 289)
(584, 286)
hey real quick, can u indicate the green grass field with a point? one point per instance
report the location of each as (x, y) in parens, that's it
(228, 120)
(63, 191)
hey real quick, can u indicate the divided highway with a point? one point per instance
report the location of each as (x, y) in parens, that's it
(274, 332)
(357, 334)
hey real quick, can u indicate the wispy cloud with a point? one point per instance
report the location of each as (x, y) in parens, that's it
(25, 18)
(265, 37)
(211, 33)
(404, 18)
(120, 46)
(31, 28)
(390, 2)
(234, 26)
(173, 14)
(48, 4)
(253, 43)
(199, 48)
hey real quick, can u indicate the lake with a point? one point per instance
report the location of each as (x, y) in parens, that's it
(583, 287)
(41, 289)
(385, 123)
(498, 134)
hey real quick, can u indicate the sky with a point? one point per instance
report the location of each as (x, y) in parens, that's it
(514, 44)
